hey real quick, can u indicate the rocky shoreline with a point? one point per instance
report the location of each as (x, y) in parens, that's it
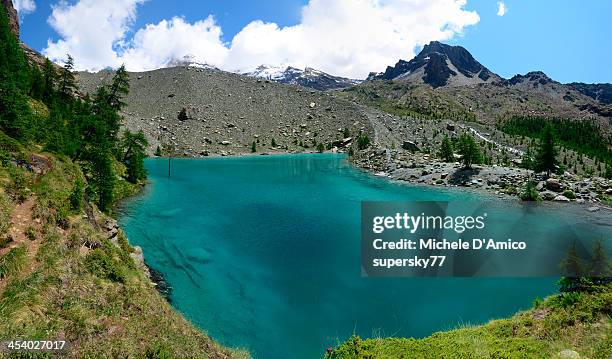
(418, 168)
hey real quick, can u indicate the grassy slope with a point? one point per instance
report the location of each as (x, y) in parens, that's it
(98, 300)
(579, 322)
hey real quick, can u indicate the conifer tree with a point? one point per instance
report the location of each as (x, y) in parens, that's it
(37, 88)
(527, 159)
(67, 83)
(574, 271)
(446, 150)
(469, 151)
(546, 159)
(119, 88)
(134, 145)
(49, 80)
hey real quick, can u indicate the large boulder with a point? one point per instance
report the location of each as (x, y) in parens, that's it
(342, 143)
(548, 195)
(410, 146)
(553, 184)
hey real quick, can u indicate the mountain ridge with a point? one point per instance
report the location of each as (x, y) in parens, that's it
(439, 65)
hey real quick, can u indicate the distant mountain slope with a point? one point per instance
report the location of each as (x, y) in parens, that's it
(599, 92)
(439, 65)
(227, 112)
(308, 77)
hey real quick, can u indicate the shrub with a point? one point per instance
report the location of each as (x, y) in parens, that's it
(530, 193)
(9, 144)
(76, 197)
(569, 194)
(5, 158)
(30, 233)
(99, 263)
(160, 351)
(18, 186)
(537, 302)
(182, 115)
(320, 148)
(363, 141)
(565, 300)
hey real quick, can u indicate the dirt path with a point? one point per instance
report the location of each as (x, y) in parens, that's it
(20, 221)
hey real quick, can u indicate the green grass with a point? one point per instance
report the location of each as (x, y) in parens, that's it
(581, 323)
(6, 209)
(12, 261)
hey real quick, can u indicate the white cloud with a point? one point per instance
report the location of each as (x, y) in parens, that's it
(92, 31)
(24, 6)
(342, 37)
(501, 8)
(155, 45)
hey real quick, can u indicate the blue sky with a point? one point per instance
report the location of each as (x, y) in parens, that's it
(569, 40)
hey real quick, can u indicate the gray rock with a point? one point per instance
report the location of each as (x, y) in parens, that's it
(553, 184)
(561, 198)
(138, 257)
(410, 146)
(548, 195)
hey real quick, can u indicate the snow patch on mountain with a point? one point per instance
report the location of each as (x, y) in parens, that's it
(308, 77)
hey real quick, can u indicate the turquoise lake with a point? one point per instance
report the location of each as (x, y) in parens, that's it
(263, 253)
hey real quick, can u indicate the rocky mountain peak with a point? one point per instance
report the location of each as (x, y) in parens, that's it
(439, 65)
(535, 77)
(13, 17)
